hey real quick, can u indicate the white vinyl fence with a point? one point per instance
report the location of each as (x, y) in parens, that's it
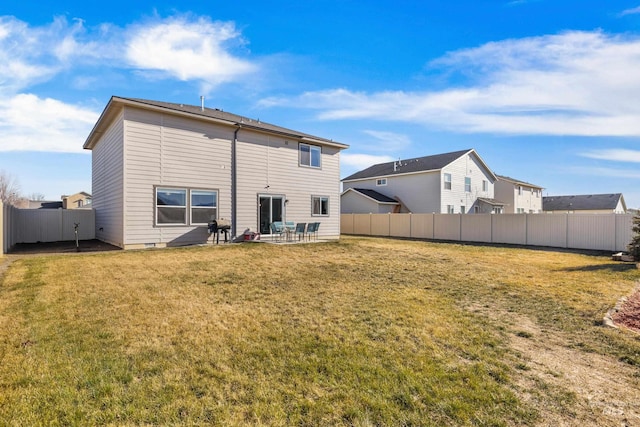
(608, 232)
(44, 225)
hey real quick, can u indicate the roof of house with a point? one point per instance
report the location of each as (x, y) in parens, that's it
(44, 204)
(585, 202)
(518, 182)
(419, 164)
(373, 194)
(489, 201)
(82, 193)
(197, 112)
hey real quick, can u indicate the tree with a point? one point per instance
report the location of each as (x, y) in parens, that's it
(634, 246)
(9, 189)
(38, 197)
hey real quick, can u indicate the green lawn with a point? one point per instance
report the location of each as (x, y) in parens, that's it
(359, 332)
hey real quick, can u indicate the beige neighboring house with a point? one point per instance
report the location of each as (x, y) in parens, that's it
(161, 171)
(585, 204)
(77, 201)
(456, 182)
(518, 196)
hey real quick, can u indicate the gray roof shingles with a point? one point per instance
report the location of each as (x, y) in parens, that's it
(517, 181)
(419, 164)
(581, 202)
(378, 197)
(219, 114)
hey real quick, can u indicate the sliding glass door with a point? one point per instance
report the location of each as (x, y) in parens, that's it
(270, 209)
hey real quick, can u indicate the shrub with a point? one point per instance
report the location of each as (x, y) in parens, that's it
(634, 246)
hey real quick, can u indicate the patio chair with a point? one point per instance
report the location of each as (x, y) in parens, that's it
(311, 229)
(277, 230)
(315, 230)
(300, 229)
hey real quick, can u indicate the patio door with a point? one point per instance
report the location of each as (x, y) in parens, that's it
(270, 209)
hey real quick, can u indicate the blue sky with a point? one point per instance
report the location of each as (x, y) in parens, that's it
(545, 91)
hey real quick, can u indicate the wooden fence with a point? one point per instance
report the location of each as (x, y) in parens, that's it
(608, 232)
(43, 225)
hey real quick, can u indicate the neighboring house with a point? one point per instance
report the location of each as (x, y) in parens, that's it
(518, 196)
(77, 201)
(161, 171)
(361, 200)
(39, 204)
(457, 182)
(587, 203)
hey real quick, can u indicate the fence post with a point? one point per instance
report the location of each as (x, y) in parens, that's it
(2, 239)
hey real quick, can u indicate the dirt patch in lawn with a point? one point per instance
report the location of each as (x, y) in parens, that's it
(569, 386)
(604, 394)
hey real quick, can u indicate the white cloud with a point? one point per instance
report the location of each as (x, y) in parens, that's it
(24, 59)
(606, 172)
(30, 123)
(188, 50)
(361, 161)
(616, 155)
(632, 11)
(388, 141)
(184, 48)
(576, 83)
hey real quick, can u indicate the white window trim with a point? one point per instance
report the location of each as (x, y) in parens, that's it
(447, 184)
(381, 182)
(311, 149)
(191, 208)
(321, 199)
(188, 208)
(467, 190)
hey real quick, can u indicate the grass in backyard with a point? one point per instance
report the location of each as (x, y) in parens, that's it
(357, 332)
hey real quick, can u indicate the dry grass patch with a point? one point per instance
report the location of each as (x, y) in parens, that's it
(360, 332)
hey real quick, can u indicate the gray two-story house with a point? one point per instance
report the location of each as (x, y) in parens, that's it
(456, 182)
(162, 171)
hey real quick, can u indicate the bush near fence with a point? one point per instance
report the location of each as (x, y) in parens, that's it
(610, 232)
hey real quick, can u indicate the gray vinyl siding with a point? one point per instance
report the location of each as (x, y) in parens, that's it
(108, 183)
(168, 151)
(143, 150)
(352, 202)
(419, 192)
(465, 166)
(269, 165)
(506, 193)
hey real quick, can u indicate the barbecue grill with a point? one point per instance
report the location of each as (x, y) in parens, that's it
(220, 226)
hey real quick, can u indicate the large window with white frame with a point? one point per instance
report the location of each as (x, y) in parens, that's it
(467, 184)
(204, 206)
(184, 206)
(319, 206)
(309, 155)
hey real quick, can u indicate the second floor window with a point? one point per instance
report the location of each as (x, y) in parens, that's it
(485, 185)
(447, 181)
(310, 155)
(467, 185)
(381, 181)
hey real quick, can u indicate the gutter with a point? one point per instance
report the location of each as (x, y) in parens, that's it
(234, 187)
